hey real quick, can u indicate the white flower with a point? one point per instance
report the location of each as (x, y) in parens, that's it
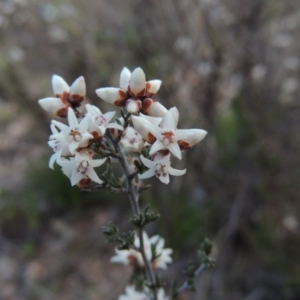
(65, 96)
(168, 137)
(59, 145)
(81, 167)
(134, 93)
(132, 294)
(99, 122)
(133, 257)
(76, 134)
(160, 167)
(131, 140)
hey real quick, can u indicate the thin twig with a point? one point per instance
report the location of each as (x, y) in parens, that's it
(105, 187)
(197, 273)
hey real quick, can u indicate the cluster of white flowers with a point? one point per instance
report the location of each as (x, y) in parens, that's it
(145, 138)
(150, 126)
(133, 257)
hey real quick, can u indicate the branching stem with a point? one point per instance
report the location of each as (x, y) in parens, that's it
(134, 200)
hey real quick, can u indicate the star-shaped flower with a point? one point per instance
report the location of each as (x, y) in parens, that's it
(131, 140)
(133, 257)
(76, 134)
(168, 137)
(59, 145)
(160, 167)
(65, 96)
(99, 122)
(134, 93)
(81, 168)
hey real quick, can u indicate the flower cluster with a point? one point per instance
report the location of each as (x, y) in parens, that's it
(144, 140)
(153, 246)
(148, 126)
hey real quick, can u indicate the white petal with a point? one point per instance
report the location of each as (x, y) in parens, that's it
(115, 125)
(175, 114)
(73, 122)
(73, 146)
(109, 115)
(84, 123)
(59, 85)
(97, 162)
(76, 177)
(53, 129)
(93, 110)
(78, 87)
(147, 162)
(137, 81)
(124, 78)
(175, 150)
(60, 125)
(153, 86)
(138, 123)
(175, 172)
(164, 179)
(168, 122)
(51, 104)
(153, 120)
(68, 166)
(132, 107)
(147, 174)
(191, 136)
(157, 110)
(158, 145)
(53, 158)
(110, 94)
(93, 175)
(163, 159)
(85, 139)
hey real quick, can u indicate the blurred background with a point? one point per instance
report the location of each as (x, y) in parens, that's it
(232, 67)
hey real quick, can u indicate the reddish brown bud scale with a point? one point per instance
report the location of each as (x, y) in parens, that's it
(150, 138)
(63, 112)
(138, 94)
(183, 145)
(85, 182)
(76, 98)
(120, 102)
(96, 136)
(114, 132)
(64, 98)
(148, 94)
(146, 104)
(132, 261)
(164, 152)
(141, 93)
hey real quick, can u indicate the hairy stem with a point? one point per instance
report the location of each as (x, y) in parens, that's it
(134, 200)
